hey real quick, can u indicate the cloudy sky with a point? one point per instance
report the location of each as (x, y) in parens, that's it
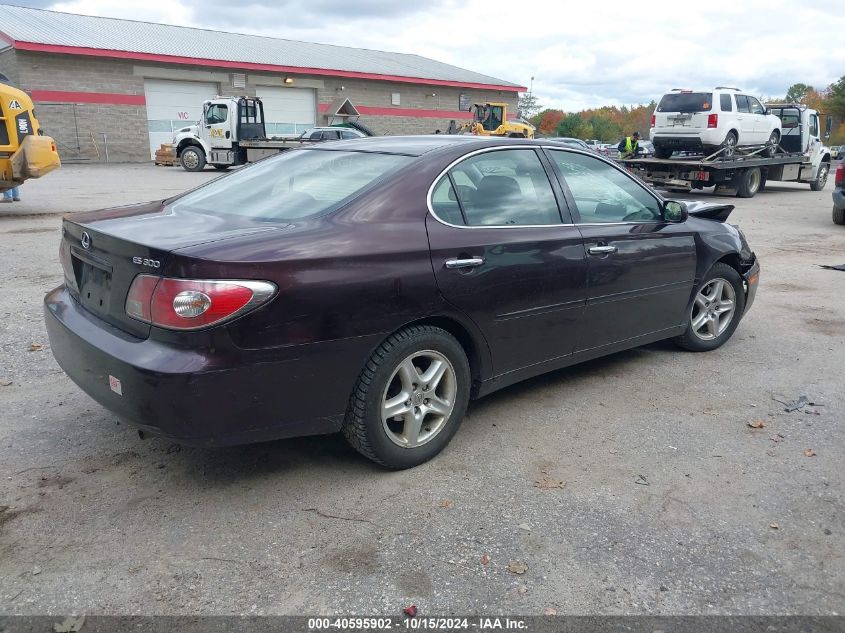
(581, 54)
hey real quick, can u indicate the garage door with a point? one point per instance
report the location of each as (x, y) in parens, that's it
(288, 111)
(172, 105)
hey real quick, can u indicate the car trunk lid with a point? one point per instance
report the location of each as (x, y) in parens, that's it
(107, 250)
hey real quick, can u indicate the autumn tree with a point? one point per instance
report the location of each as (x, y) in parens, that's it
(549, 120)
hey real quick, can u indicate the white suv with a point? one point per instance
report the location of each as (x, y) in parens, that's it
(699, 121)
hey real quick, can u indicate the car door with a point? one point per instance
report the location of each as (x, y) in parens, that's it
(640, 269)
(745, 120)
(504, 255)
(761, 123)
(217, 124)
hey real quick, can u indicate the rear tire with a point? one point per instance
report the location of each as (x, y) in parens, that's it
(749, 181)
(716, 310)
(221, 167)
(838, 216)
(192, 158)
(729, 146)
(421, 373)
(663, 152)
(821, 178)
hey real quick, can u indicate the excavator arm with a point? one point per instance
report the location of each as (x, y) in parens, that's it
(24, 152)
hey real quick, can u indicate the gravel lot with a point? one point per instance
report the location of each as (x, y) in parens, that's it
(628, 485)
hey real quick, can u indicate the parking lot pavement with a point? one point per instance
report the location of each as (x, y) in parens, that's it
(631, 484)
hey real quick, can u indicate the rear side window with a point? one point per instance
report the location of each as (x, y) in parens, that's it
(504, 187)
(296, 184)
(686, 102)
(742, 103)
(726, 103)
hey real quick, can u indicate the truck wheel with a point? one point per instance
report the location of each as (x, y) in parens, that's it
(838, 216)
(192, 158)
(749, 182)
(774, 141)
(821, 178)
(221, 167)
(729, 146)
(662, 153)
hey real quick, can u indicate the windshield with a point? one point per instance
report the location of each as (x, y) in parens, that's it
(296, 184)
(686, 102)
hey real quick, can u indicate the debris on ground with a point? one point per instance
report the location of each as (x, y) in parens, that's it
(5, 382)
(517, 567)
(70, 624)
(641, 480)
(36, 347)
(445, 503)
(757, 424)
(828, 267)
(485, 560)
(777, 438)
(774, 526)
(410, 611)
(549, 611)
(798, 404)
(547, 483)
(809, 452)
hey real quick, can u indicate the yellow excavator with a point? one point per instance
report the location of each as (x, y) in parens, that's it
(491, 119)
(24, 151)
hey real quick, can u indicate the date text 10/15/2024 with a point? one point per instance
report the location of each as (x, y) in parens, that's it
(418, 624)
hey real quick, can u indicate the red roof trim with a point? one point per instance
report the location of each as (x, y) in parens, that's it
(219, 63)
(59, 96)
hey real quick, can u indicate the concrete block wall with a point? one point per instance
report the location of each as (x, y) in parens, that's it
(9, 65)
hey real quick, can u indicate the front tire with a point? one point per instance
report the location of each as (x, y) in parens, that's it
(774, 141)
(821, 178)
(192, 158)
(410, 398)
(716, 310)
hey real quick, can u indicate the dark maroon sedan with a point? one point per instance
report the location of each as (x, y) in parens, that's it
(374, 286)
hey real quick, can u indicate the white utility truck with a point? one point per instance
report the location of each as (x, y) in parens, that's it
(800, 156)
(231, 132)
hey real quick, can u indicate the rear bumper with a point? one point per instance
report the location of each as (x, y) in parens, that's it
(200, 396)
(678, 143)
(751, 277)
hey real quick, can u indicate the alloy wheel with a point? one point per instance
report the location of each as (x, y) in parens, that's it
(419, 398)
(713, 310)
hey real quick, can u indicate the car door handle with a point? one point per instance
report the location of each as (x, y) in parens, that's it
(602, 250)
(469, 262)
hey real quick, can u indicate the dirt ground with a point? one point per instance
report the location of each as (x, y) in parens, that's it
(628, 485)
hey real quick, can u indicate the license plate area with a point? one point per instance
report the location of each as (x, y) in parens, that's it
(93, 278)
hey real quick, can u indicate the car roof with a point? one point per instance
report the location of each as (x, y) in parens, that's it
(422, 144)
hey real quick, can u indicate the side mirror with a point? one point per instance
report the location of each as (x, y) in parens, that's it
(675, 212)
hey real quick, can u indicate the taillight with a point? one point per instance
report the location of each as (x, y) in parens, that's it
(839, 180)
(713, 120)
(190, 304)
(653, 120)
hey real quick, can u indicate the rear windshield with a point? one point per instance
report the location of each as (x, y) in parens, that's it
(686, 102)
(296, 184)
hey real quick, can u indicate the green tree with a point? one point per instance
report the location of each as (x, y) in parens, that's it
(570, 125)
(528, 105)
(604, 128)
(836, 98)
(797, 93)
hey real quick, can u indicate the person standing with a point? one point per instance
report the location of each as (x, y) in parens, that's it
(13, 194)
(629, 147)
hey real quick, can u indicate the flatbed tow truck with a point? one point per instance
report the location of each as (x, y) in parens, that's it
(800, 157)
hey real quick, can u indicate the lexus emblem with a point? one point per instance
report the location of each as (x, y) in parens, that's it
(86, 240)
